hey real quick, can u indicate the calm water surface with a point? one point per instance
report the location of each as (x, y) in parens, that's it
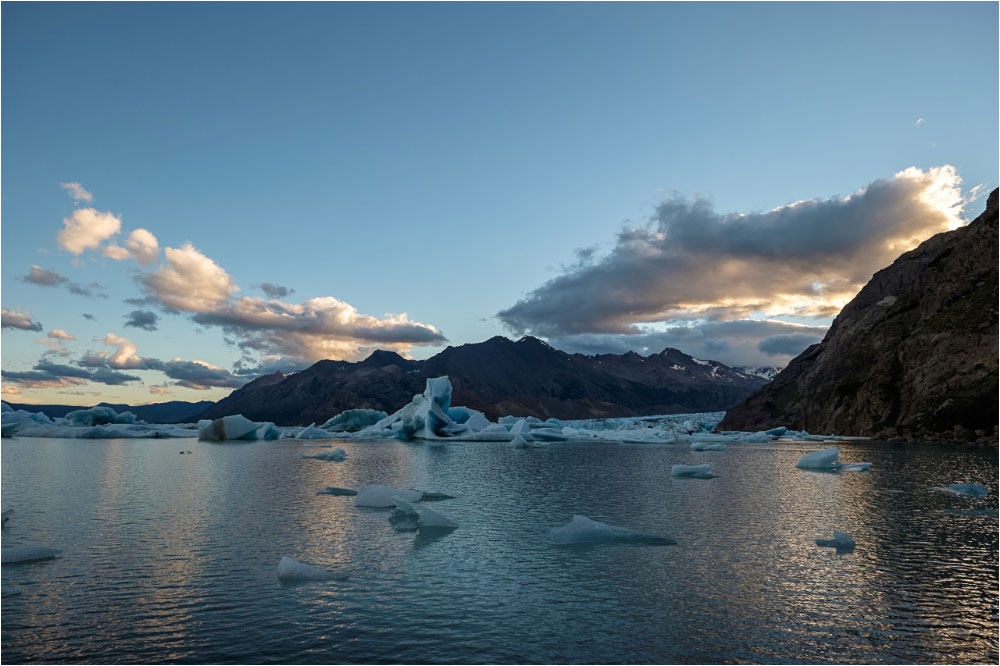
(171, 557)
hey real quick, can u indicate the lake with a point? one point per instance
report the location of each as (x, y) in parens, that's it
(173, 558)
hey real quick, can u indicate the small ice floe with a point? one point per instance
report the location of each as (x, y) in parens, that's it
(407, 517)
(341, 492)
(582, 530)
(183, 452)
(708, 446)
(433, 496)
(842, 541)
(692, 471)
(965, 489)
(293, 571)
(827, 461)
(337, 455)
(27, 554)
(383, 496)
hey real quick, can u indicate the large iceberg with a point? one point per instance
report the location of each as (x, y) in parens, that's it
(312, 432)
(337, 455)
(383, 496)
(98, 416)
(293, 571)
(408, 516)
(584, 530)
(352, 420)
(27, 554)
(110, 425)
(236, 427)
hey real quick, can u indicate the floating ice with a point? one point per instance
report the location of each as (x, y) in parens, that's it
(312, 432)
(840, 541)
(337, 455)
(493, 433)
(290, 571)
(827, 461)
(692, 471)
(434, 496)
(966, 489)
(777, 432)
(236, 427)
(408, 516)
(5, 516)
(384, 496)
(584, 530)
(27, 554)
(352, 420)
(95, 416)
(708, 446)
(333, 490)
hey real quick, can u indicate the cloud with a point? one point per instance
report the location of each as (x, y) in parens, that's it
(89, 316)
(789, 344)
(76, 191)
(160, 390)
(920, 121)
(59, 334)
(17, 319)
(690, 263)
(50, 278)
(9, 392)
(200, 375)
(44, 277)
(86, 229)
(735, 342)
(56, 341)
(315, 329)
(56, 375)
(125, 356)
(275, 291)
(143, 319)
(190, 281)
(141, 245)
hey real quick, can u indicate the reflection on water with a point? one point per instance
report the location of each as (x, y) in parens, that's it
(173, 558)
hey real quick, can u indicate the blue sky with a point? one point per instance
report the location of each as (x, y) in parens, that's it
(449, 161)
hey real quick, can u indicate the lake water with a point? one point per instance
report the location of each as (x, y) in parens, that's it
(171, 557)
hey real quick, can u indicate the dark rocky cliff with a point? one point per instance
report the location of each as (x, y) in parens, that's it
(912, 357)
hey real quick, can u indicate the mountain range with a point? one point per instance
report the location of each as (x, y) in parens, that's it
(498, 377)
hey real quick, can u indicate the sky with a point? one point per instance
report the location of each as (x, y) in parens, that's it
(194, 194)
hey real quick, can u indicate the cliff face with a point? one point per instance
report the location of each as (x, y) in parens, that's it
(498, 377)
(912, 357)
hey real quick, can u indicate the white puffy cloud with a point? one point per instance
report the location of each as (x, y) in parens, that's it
(143, 247)
(86, 229)
(126, 357)
(59, 334)
(116, 252)
(190, 281)
(76, 191)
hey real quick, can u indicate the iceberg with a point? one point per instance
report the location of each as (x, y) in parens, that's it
(235, 427)
(827, 461)
(692, 471)
(965, 489)
(312, 432)
(777, 432)
(352, 420)
(433, 496)
(492, 433)
(333, 490)
(291, 571)
(337, 455)
(27, 554)
(840, 541)
(583, 530)
(95, 416)
(408, 517)
(383, 496)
